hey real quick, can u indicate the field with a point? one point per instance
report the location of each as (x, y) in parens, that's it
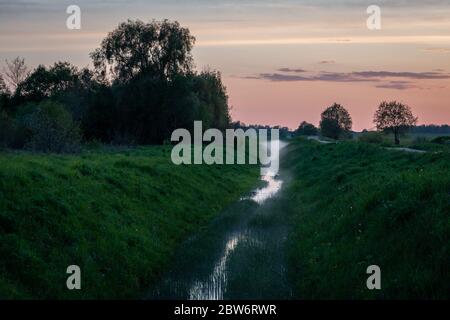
(353, 205)
(118, 214)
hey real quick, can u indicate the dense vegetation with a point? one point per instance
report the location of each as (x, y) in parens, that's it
(142, 87)
(118, 214)
(353, 205)
(432, 129)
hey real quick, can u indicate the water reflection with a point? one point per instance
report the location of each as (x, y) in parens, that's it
(214, 287)
(272, 182)
(273, 185)
(197, 278)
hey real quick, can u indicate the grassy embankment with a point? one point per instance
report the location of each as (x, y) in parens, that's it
(353, 205)
(117, 214)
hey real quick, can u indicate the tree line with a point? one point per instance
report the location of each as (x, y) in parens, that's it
(432, 129)
(142, 86)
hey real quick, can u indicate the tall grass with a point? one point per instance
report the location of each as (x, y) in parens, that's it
(117, 214)
(353, 205)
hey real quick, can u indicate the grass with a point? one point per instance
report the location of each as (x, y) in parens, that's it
(421, 141)
(353, 205)
(118, 214)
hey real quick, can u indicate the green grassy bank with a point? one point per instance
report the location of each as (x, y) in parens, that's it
(353, 205)
(117, 214)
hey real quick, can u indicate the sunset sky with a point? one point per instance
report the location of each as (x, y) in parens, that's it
(282, 61)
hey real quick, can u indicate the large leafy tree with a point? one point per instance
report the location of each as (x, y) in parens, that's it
(161, 48)
(335, 121)
(212, 93)
(394, 117)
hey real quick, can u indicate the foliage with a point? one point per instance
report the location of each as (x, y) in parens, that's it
(442, 140)
(44, 83)
(3, 88)
(394, 117)
(4, 96)
(143, 87)
(52, 129)
(7, 130)
(371, 137)
(118, 214)
(147, 110)
(335, 122)
(162, 49)
(307, 129)
(353, 205)
(15, 72)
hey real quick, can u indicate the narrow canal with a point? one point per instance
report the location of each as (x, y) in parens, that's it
(238, 256)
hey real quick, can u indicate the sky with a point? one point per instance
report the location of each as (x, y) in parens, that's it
(283, 61)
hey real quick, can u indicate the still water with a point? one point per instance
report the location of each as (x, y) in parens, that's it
(238, 256)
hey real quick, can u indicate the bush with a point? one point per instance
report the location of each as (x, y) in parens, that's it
(420, 140)
(52, 129)
(371, 137)
(442, 140)
(7, 131)
(307, 129)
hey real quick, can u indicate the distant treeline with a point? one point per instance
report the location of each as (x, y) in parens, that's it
(142, 87)
(284, 132)
(435, 129)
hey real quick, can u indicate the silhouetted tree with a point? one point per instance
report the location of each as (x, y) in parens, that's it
(142, 88)
(307, 129)
(162, 49)
(394, 117)
(4, 95)
(3, 87)
(43, 83)
(146, 109)
(212, 93)
(15, 72)
(335, 122)
(101, 115)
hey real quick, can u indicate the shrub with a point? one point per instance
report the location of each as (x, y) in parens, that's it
(307, 129)
(7, 131)
(371, 137)
(442, 140)
(52, 129)
(420, 139)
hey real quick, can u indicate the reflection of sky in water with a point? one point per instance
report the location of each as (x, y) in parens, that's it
(273, 186)
(214, 287)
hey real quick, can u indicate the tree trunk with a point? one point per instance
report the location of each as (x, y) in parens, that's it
(396, 139)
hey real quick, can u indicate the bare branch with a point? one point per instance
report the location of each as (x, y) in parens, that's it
(3, 87)
(15, 72)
